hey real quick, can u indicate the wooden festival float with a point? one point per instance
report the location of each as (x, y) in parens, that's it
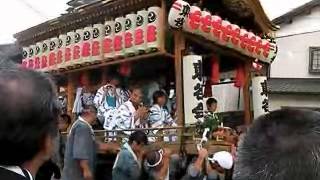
(199, 48)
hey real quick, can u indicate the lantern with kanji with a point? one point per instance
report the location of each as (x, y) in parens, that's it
(97, 42)
(193, 21)
(31, 53)
(216, 28)
(86, 45)
(108, 41)
(140, 37)
(118, 43)
(61, 51)
(68, 52)
(37, 58)
(154, 28)
(53, 53)
(24, 57)
(178, 14)
(77, 48)
(130, 26)
(45, 55)
(205, 27)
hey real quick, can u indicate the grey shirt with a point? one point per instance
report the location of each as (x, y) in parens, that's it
(81, 145)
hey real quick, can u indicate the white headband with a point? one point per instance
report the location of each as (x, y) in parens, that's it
(157, 163)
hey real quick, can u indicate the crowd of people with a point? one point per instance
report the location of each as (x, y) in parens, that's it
(281, 145)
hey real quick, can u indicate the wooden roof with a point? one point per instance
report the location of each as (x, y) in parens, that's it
(99, 11)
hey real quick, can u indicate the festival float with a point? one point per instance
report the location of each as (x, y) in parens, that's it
(197, 49)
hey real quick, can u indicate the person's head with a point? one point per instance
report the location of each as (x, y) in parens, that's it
(64, 122)
(283, 144)
(138, 140)
(221, 161)
(212, 104)
(136, 95)
(89, 113)
(115, 80)
(154, 159)
(160, 98)
(29, 116)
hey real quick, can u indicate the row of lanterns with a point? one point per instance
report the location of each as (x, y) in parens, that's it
(129, 35)
(212, 27)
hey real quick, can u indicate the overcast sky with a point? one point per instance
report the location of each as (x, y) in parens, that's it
(17, 15)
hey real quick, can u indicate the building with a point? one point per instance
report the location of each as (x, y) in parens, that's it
(295, 73)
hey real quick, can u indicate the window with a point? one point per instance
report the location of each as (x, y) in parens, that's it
(314, 60)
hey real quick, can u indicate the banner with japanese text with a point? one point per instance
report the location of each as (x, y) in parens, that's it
(260, 96)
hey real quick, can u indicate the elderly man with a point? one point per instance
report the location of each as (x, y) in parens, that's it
(28, 123)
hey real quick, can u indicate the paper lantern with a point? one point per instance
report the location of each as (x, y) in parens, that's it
(119, 29)
(61, 51)
(77, 48)
(97, 42)
(193, 21)
(273, 52)
(31, 56)
(53, 53)
(234, 41)
(216, 28)
(242, 45)
(86, 45)
(259, 96)
(24, 63)
(256, 65)
(154, 29)
(140, 37)
(205, 27)
(108, 40)
(178, 13)
(226, 33)
(130, 26)
(37, 58)
(68, 52)
(45, 55)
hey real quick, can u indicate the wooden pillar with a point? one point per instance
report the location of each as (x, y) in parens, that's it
(163, 20)
(247, 94)
(179, 45)
(71, 89)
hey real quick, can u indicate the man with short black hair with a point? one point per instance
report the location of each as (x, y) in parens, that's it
(281, 145)
(28, 122)
(128, 162)
(212, 104)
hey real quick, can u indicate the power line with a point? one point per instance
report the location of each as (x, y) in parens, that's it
(33, 9)
(296, 34)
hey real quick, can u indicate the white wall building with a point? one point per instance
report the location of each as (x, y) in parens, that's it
(295, 73)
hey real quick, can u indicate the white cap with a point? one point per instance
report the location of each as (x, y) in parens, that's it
(224, 159)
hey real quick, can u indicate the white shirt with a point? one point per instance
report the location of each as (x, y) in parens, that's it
(17, 170)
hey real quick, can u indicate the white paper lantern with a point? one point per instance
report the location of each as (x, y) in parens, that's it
(259, 96)
(68, 52)
(53, 53)
(31, 56)
(205, 27)
(216, 33)
(45, 49)
(242, 45)
(97, 42)
(193, 21)
(225, 37)
(119, 29)
(234, 42)
(108, 40)
(141, 31)
(61, 51)
(25, 51)
(178, 13)
(77, 48)
(154, 29)
(130, 26)
(86, 45)
(37, 58)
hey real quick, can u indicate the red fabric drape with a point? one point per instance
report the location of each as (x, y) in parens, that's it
(125, 69)
(208, 89)
(240, 76)
(215, 70)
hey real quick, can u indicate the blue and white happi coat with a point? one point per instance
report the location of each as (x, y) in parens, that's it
(158, 118)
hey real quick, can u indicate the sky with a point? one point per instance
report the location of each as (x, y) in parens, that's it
(18, 15)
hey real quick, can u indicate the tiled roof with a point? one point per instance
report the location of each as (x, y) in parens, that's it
(294, 86)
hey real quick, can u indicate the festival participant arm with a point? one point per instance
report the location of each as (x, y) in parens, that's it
(81, 148)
